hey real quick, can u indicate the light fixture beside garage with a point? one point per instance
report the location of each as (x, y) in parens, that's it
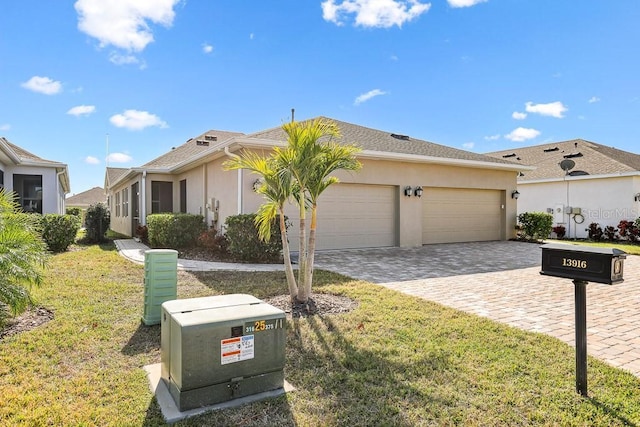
(408, 191)
(515, 194)
(636, 197)
(418, 191)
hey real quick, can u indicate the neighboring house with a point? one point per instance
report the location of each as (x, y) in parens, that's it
(465, 196)
(579, 182)
(40, 185)
(87, 198)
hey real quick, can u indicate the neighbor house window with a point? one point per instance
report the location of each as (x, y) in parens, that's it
(29, 190)
(1, 179)
(125, 202)
(183, 196)
(161, 196)
(118, 203)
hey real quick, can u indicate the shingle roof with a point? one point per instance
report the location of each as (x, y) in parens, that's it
(590, 159)
(191, 148)
(114, 173)
(25, 155)
(87, 198)
(388, 142)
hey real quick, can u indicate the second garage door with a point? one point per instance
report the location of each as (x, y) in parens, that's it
(353, 216)
(461, 215)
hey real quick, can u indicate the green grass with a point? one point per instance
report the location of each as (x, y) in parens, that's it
(395, 360)
(630, 248)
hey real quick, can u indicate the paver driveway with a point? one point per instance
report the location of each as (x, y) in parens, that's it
(502, 281)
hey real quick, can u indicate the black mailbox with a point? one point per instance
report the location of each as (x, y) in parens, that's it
(600, 265)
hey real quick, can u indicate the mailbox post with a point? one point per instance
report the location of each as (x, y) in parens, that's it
(582, 264)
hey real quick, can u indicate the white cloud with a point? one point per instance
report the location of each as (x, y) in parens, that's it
(492, 137)
(594, 99)
(91, 160)
(522, 134)
(394, 58)
(136, 120)
(82, 110)
(367, 96)
(553, 109)
(251, 36)
(207, 48)
(468, 145)
(374, 13)
(119, 158)
(123, 23)
(43, 85)
(518, 115)
(5, 126)
(120, 59)
(464, 3)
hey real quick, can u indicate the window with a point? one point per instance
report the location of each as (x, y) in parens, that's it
(161, 196)
(1, 179)
(29, 190)
(118, 203)
(183, 196)
(125, 202)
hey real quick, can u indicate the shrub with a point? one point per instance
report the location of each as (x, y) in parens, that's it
(216, 242)
(174, 230)
(628, 230)
(59, 231)
(244, 243)
(595, 231)
(74, 211)
(97, 221)
(610, 233)
(560, 231)
(535, 225)
(143, 233)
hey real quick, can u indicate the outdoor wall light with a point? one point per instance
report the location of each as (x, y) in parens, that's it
(515, 194)
(418, 191)
(408, 191)
(636, 197)
(257, 184)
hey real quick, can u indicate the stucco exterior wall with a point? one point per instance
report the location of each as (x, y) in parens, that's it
(605, 201)
(52, 192)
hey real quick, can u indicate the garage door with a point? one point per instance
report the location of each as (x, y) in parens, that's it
(461, 215)
(353, 216)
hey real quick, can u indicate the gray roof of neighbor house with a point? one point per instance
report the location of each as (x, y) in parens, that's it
(87, 198)
(589, 157)
(189, 149)
(11, 153)
(388, 142)
(113, 174)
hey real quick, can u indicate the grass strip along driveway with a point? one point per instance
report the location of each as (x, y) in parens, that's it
(394, 360)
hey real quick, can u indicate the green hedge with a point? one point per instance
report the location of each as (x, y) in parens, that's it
(97, 221)
(246, 246)
(174, 230)
(535, 226)
(59, 231)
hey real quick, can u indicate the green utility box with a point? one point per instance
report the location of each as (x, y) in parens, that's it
(160, 282)
(216, 349)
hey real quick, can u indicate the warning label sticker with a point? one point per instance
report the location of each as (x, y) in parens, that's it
(236, 349)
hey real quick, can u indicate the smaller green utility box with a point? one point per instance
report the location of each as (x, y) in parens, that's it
(160, 282)
(220, 348)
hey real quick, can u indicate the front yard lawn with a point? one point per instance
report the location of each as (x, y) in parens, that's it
(394, 360)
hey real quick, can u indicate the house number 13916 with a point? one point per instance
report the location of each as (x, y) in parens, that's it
(575, 263)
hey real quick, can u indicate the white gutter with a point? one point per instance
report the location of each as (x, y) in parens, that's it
(60, 199)
(580, 178)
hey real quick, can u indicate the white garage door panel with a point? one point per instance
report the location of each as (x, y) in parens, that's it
(461, 215)
(353, 216)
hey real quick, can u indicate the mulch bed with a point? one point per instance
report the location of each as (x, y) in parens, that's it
(318, 304)
(30, 319)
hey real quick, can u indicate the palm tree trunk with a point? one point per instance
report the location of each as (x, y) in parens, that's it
(303, 294)
(286, 253)
(308, 277)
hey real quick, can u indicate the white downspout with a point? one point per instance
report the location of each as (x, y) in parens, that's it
(143, 200)
(60, 196)
(230, 154)
(204, 195)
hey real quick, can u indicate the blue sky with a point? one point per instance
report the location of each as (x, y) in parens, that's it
(147, 75)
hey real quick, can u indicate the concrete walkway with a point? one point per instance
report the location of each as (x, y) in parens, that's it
(497, 280)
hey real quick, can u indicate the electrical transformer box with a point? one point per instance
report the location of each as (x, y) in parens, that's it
(219, 348)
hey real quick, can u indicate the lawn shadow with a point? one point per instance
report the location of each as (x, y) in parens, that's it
(146, 339)
(611, 411)
(359, 385)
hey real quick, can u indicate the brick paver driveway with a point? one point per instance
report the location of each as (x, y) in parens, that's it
(502, 281)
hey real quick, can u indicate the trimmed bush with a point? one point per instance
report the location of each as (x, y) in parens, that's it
(560, 231)
(97, 221)
(59, 231)
(628, 230)
(216, 242)
(246, 246)
(535, 226)
(595, 231)
(74, 211)
(174, 230)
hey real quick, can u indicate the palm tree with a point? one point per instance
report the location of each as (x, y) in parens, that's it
(23, 254)
(277, 187)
